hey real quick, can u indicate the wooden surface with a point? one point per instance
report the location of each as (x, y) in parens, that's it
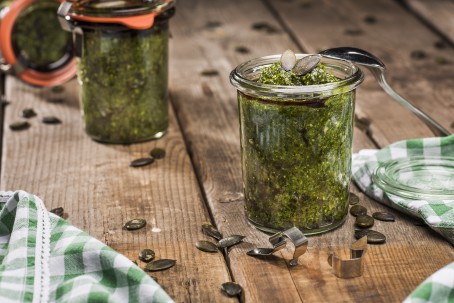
(200, 178)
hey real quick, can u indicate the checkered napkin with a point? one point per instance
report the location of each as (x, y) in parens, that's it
(438, 215)
(45, 259)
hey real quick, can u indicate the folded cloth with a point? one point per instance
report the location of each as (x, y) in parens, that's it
(437, 214)
(437, 288)
(45, 259)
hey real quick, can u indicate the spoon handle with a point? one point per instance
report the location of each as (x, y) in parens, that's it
(434, 126)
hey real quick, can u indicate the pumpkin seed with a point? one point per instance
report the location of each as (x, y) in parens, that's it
(135, 224)
(353, 199)
(206, 246)
(28, 113)
(373, 236)
(357, 210)
(211, 231)
(353, 32)
(230, 241)
(306, 64)
(288, 60)
(146, 255)
(418, 55)
(370, 19)
(231, 289)
(157, 153)
(264, 27)
(58, 89)
(384, 216)
(364, 221)
(51, 120)
(259, 251)
(141, 162)
(209, 73)
(20, 125)
(58, 211)
(242, 50)
(159, 265)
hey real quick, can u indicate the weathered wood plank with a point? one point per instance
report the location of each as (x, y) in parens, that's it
(395, 36)
(438, 13)
(206, 109)
(100, 192)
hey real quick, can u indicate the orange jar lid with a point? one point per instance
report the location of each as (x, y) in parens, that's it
(33, 44)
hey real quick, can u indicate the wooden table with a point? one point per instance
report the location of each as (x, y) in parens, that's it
(200, 179)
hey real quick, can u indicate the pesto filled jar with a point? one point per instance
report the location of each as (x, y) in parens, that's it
(33, 47)
(296, 142)
(122, 56)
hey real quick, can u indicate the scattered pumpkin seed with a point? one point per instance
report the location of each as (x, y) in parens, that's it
(58, 211)
(288, 60)
(206, 246)
(146, 255)
(141, 162)
(213, 24)
(158, 153)
(306, 64)
(418, 55)
(242, 50)
(159, 265)
(51, 120)
(57, 89)
(357, 210)
(231, 289)
(211, 231)
(383, 216)
(353, 32)
(373, 236)
(264, 27)
(370, 19)
(209, 73)
(440, 44)
(230, 241)
(28, 113)
(135, 224)
(353, 199)
(260, 252)
(20, 125)
(364, 221)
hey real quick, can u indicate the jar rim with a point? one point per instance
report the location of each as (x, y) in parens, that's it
(242, 77)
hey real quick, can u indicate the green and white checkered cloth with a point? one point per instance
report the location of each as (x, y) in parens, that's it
(45, 259)
(437, 214)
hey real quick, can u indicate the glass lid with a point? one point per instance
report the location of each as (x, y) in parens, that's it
(111, 8)
(420, 178)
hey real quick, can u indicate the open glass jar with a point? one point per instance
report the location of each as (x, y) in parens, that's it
(296, 144)
(32, 45)
(122, 49)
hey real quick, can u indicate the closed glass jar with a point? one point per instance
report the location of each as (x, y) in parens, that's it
(122, 49)
(296, 144)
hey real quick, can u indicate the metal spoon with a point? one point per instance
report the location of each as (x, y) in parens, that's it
(377, 67)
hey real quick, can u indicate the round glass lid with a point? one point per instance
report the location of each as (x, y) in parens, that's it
(420, 178)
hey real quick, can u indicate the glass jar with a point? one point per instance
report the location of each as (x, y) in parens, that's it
(32, 45)
(296, 144)
(122, 49)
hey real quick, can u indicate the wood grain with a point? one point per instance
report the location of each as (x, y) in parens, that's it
(206, 109)
(437, 13)
(100, 192)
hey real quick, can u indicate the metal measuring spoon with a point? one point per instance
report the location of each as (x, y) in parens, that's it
(377, 67)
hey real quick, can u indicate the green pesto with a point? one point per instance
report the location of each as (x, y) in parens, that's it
(123, 78)
(274, 74)
(37, 36)
(296, 159)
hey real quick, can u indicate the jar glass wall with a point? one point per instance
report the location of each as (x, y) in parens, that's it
(296, 144)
